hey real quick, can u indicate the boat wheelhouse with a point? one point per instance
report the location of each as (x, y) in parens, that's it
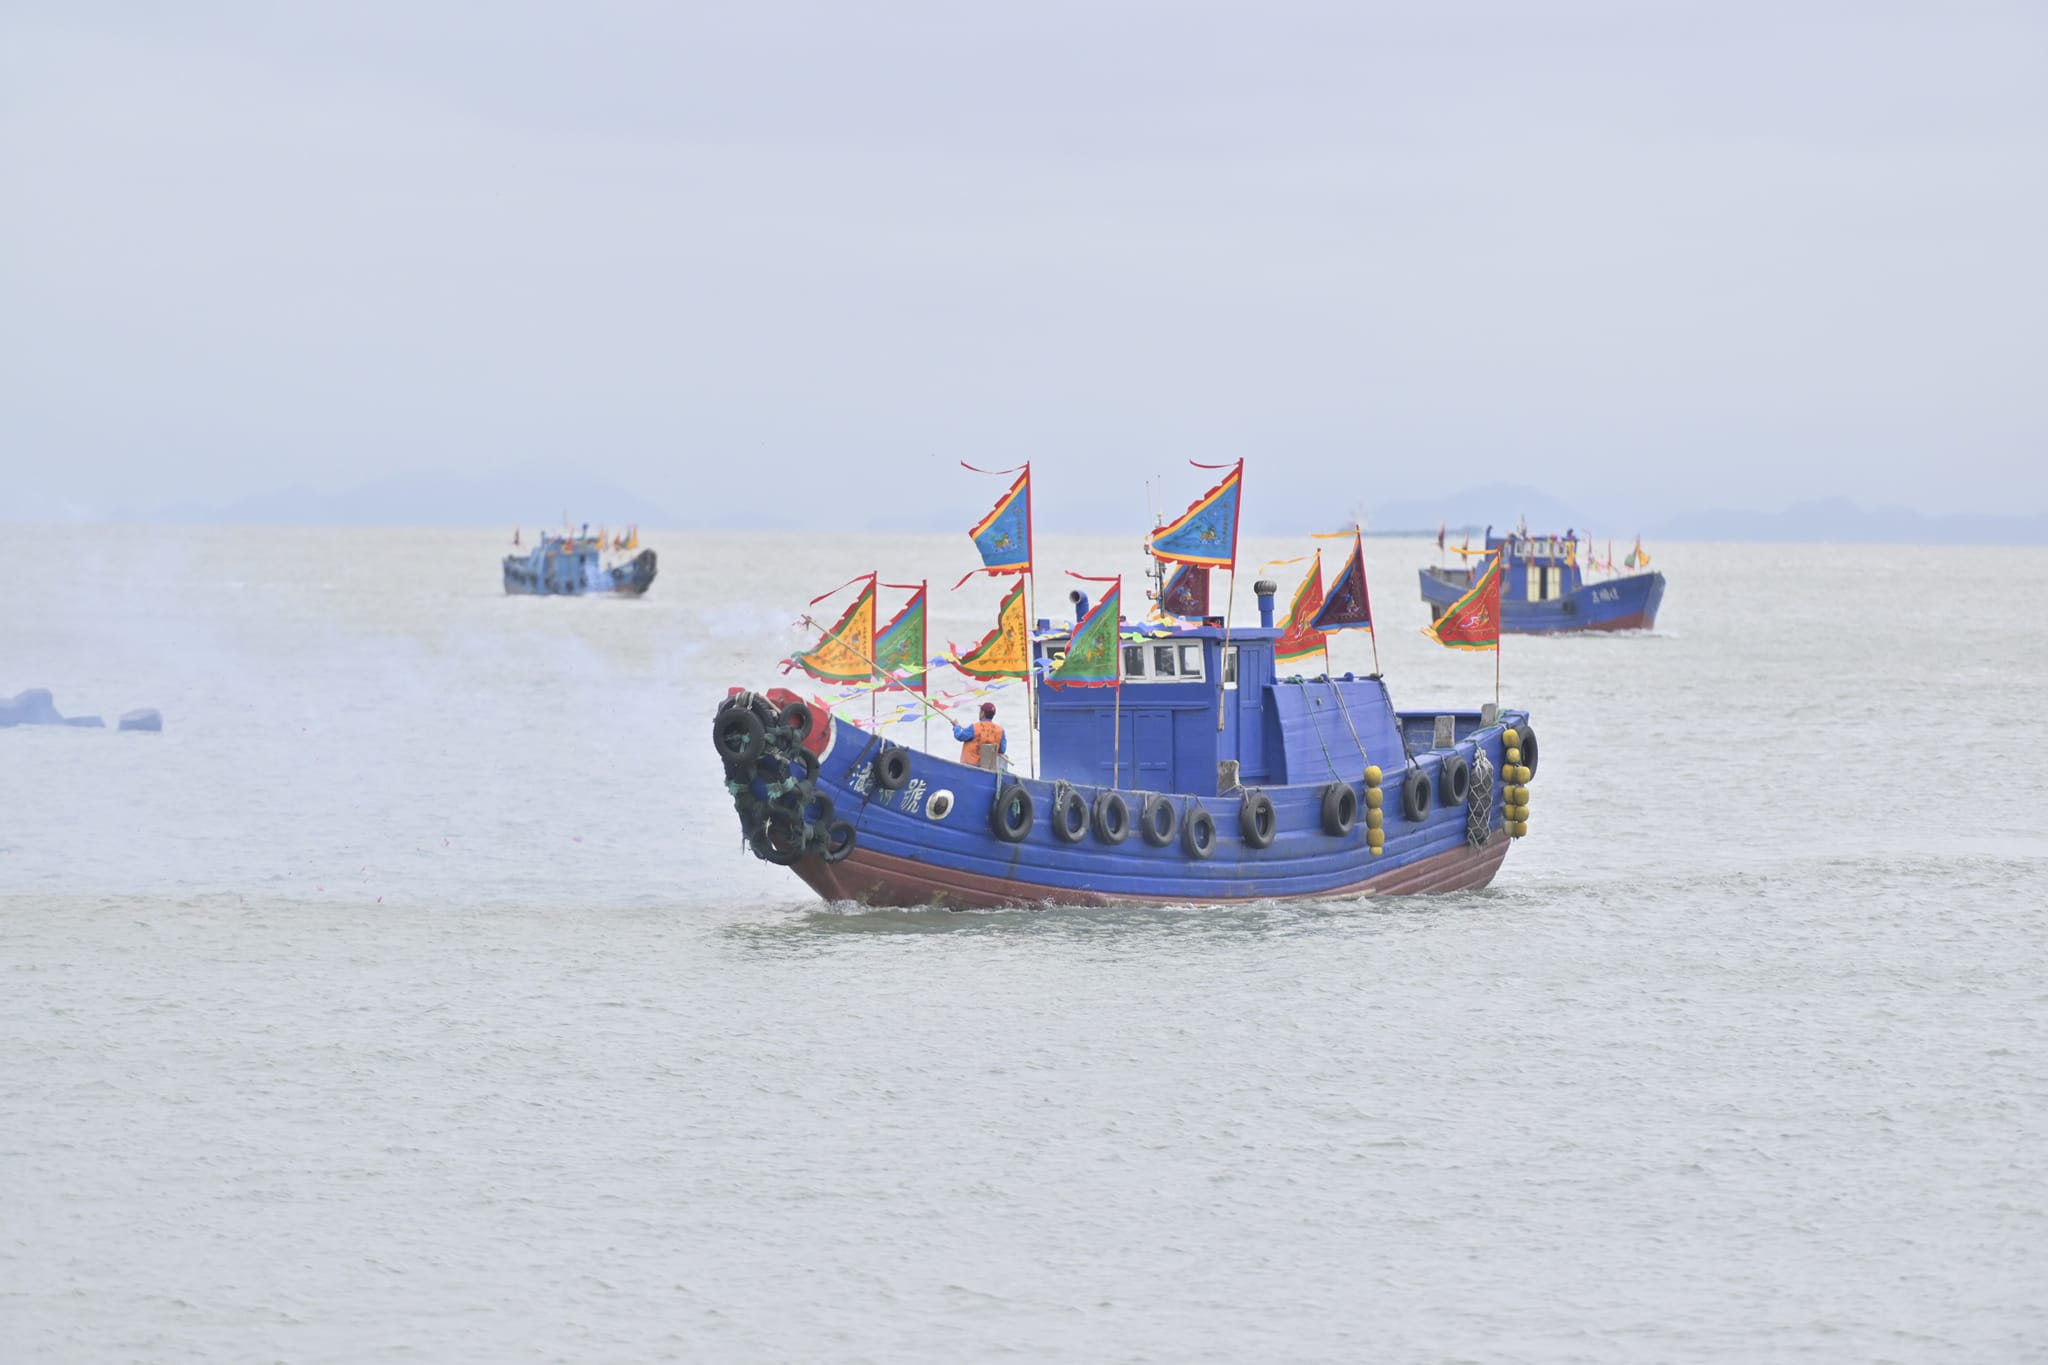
(1544, 589)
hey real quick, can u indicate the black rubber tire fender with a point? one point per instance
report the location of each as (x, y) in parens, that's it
(808, 761)
(810, 806)
(1528, 747)
(1415, 795)
(797, 717)
(775, 838)
(1258, 824)
(892, 768)
(1011, 814)
(739, 737)
(1069, 816)
(1112, 818)
(1158, 821)
(780, 765)
(1454, 780)
(1340, 809)
(1198, 833)
(840, 837)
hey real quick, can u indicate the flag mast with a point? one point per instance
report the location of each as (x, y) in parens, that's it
(1236, 518)
(1329, 669)
(1116, 723)
(924, 649)
(1190, 530)
(995, 562)
(1030, 628)
(1372, 631)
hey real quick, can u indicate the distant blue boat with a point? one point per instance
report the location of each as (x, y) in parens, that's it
(572, 566)
(1210, 780)
(1544, 591)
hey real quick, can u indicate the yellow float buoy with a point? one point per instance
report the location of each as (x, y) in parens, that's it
(1375, 839)
(1374, 819)
(1373, 798)
(1513, 755)
(1372, 775)
(1511, 737)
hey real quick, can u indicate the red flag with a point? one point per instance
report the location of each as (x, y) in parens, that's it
(1301, 640)
(1473, 621)
(1346, 605)
(1186, 592)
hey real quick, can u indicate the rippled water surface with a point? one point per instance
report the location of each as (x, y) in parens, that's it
(410, 998)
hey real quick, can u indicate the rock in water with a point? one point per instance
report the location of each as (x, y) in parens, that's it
(148, 718)
(33, 707)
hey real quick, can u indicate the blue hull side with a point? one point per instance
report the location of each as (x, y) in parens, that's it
(1612, 604)
(904, 856)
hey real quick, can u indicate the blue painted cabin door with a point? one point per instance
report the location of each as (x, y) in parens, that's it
(1150, 744)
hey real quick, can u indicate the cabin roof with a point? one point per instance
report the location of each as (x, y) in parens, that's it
(1154, 632)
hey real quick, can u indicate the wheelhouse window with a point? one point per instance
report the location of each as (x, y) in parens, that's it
(1230, 667)
(1176, 661)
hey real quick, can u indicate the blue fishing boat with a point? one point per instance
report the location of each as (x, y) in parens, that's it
(572, 566)
(1544, 589)
(1202, 777)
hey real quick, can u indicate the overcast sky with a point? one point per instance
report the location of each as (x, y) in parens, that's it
(785, 263)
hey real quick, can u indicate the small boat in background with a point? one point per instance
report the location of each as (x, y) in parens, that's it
(1544, 589)
(572, 566)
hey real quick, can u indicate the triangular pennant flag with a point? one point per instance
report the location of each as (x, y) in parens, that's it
(1301, 640)
(1345, 603)
(1093, 656)
(1207, 532)
(1004, 652)
(1186, 592)
(1473, 621)
(899, 646)
(1004, 536)
(847, 650)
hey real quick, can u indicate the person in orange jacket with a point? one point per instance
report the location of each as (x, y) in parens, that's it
(983, 731)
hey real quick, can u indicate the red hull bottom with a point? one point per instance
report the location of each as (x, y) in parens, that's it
(880, 879)
(1640, 621)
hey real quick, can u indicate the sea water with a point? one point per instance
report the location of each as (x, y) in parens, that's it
(410, 996)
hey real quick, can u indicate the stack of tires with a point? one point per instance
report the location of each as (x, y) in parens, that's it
(773, 780)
